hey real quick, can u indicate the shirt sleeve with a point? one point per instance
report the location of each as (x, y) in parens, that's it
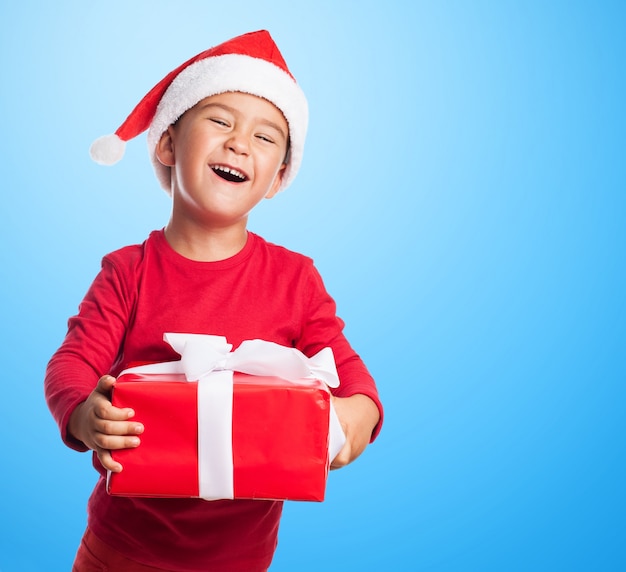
(90, 347)
(321, 328)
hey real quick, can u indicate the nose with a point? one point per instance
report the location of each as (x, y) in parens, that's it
(238, 142)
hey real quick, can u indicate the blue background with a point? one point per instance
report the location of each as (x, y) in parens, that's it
(463, 195)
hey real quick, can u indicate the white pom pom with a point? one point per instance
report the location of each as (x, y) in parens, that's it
(107, 150)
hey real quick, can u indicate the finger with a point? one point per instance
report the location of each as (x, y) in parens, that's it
(102, 397)
(114, 442)
(108, 462)
(105, 411)
(118, 428)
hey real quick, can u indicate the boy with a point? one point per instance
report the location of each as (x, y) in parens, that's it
(226, 129)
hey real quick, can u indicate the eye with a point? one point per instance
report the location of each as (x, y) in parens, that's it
(266, 138)
(218, 121)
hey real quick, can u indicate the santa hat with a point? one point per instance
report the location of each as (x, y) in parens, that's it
(250, 63)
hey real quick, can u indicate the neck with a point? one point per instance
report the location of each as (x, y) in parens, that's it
(206, 245)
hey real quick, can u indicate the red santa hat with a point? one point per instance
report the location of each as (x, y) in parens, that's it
(250, 63)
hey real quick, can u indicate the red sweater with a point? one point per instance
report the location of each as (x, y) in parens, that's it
(142, 291)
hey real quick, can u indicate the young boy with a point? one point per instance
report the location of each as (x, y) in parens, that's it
(226, 130)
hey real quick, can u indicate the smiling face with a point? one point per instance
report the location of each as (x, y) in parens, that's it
(226, 154)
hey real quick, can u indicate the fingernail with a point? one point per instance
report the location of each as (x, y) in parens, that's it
(139, 429)
(135, 441)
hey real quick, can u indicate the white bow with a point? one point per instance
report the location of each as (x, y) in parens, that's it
(203, 354)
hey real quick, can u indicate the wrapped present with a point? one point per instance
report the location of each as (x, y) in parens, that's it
(254, 423)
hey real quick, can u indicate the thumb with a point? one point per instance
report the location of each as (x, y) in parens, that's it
(343, 457)
(105, 385)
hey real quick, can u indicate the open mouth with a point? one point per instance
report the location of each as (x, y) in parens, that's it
(229, 174)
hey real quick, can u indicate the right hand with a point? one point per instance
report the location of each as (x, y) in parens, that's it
(103, 427)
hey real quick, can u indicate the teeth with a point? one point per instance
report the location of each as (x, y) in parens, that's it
(230, 171)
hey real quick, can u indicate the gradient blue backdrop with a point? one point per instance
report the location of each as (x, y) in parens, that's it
(463, 194)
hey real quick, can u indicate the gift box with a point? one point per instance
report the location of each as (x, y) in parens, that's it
(256, 423)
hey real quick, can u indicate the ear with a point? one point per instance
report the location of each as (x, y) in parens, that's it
(278, 179)
(165, 148)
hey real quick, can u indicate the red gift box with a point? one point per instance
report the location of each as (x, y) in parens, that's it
(279, 430)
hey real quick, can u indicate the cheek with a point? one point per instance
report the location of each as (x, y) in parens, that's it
(274, 163)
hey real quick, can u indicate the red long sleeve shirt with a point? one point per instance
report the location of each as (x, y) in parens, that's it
(266, 292)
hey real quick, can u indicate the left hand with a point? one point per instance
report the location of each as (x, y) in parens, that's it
(358, 416)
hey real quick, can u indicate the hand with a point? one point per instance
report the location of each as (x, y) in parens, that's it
(102, 427)
(358, 416)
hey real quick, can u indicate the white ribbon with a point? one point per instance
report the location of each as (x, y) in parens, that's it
(210, 361)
